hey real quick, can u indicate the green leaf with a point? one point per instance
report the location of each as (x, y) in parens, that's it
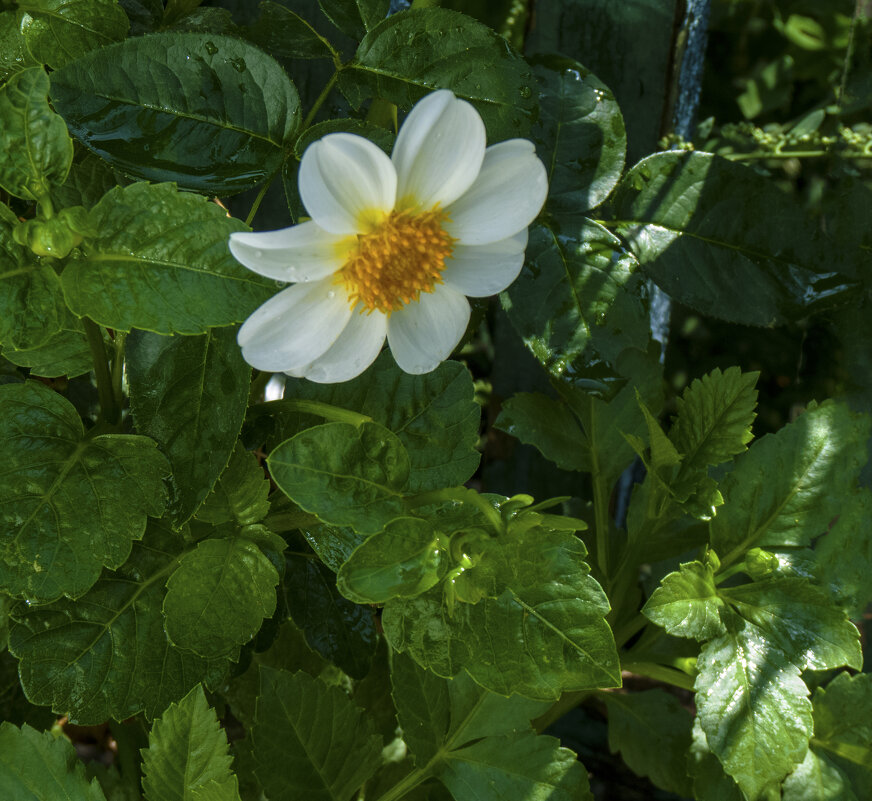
(403, 560)
(537, 592)
(343, 632)
(218, 596)
(686, 603)
(788, 487)
(519, 765)
(285, 34)
(753, 707)
(69, 504)
(423, 711)
(579, 295)
(639, 721)
(88, 180)
(412, 52)
(326, 745)
(579, 133)
(59, 31)
(801, 620)
(106, 655)
(35, 149)
(212, 113)
(346, 475)
(817, 779)
(66, 352)
(240, 494)
(37, 766)
(161, 263)
(744, 250)
(14, 55)
(375, 133)
(355, 17)
(710, 783)
(190, 395)
(187, 750)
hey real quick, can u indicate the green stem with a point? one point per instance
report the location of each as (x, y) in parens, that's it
(408, 783)
(463, 495)
(319, 101)
(259, 199)
(729, 572)
(325, 410)
(849, 54)
(662, 673)
(795, 154)
(566, 703)
(109, 411)
(118, 370)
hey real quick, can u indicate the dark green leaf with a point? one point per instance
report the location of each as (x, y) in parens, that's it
(161, 263)
(37, 766)
(35, 149)
(187, 750)
(334, 545)
(176, 9)
(32, 306)
(14, 55)
(375, 133)
(212, 113)
(325, 744)
(710, 783)
(651, 729)
(753, 707)
(285, 34)
(59, 31)
(410, 53)
(346, 475)
(578, 292)
(89, 179)
(421, 699)
(718, 237)
(106, 655)
(580, 134)
(190, 395)
(240, 493)
(66, 352)
(70, 504)
(355, 17)
(218, 596)
(686, 603)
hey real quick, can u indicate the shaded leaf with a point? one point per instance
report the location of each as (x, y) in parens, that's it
(686, 603)
(375, 133)
(240, 493)
(355, 17)
(710, 783)
(817, 779)
(423, 711)
(285, 34)
(65, 352)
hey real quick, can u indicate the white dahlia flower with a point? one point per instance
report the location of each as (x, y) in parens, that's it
(394, 245)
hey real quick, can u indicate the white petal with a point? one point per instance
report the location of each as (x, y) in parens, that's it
(352, 353)
(295, 326)
(346, 183)
(507, 195)
(304, 252)
(438, 152)
(423, 334)
(275, 388)
(482, 270)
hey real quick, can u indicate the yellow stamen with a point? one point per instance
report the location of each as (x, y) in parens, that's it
(401, 257)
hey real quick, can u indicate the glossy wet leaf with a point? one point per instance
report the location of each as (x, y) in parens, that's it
(327, 746)
(218, 596)
(187, 751)
(413, 52)
(14, 55)
(106, 655)
(686, 603)
(720, 238)
(210, 112)
(580, 134)
(190, 395)
(161, 263)
(60, 31)
(240, 494)
(355, 17)
(69, 504)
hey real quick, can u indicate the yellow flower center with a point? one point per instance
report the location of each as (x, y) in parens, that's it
(401, 257)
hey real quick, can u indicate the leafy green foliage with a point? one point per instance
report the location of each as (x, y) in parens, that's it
(187, 754)
(14, 55)
(240, 493)
(53, 544)
(355, 17)
(216, 119)
(285, 34)
(686, 603)
(65, 352)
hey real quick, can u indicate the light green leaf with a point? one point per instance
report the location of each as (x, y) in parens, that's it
(413, 407)
(190, 395)
(801, 620)
(59, 31)
(686, 603)
(70, 504)
(408, 54)
(817, 779)
(547, 424)
(326, 745)
(285, 34)
(212, 113)
(652, 730)
(718, 237)
(106, 655)
(161, 263)
(405, 559)
(580, 134)
(240, 494)
(187, 751)
(519, 765)
(35, 149)
(218, 596)
(753, 707)
(37, 766)
(355, 17)
(66, 352)
(788, 487)
(345, 474)
(579, 295)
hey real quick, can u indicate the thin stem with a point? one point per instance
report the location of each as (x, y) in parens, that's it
(259, 199)
(729, 572)
(463, 495)
(849, 54)
(118, 370)
(408, 783)
(662, 673)
(325, 410)
(109, 411)
(319, 101)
